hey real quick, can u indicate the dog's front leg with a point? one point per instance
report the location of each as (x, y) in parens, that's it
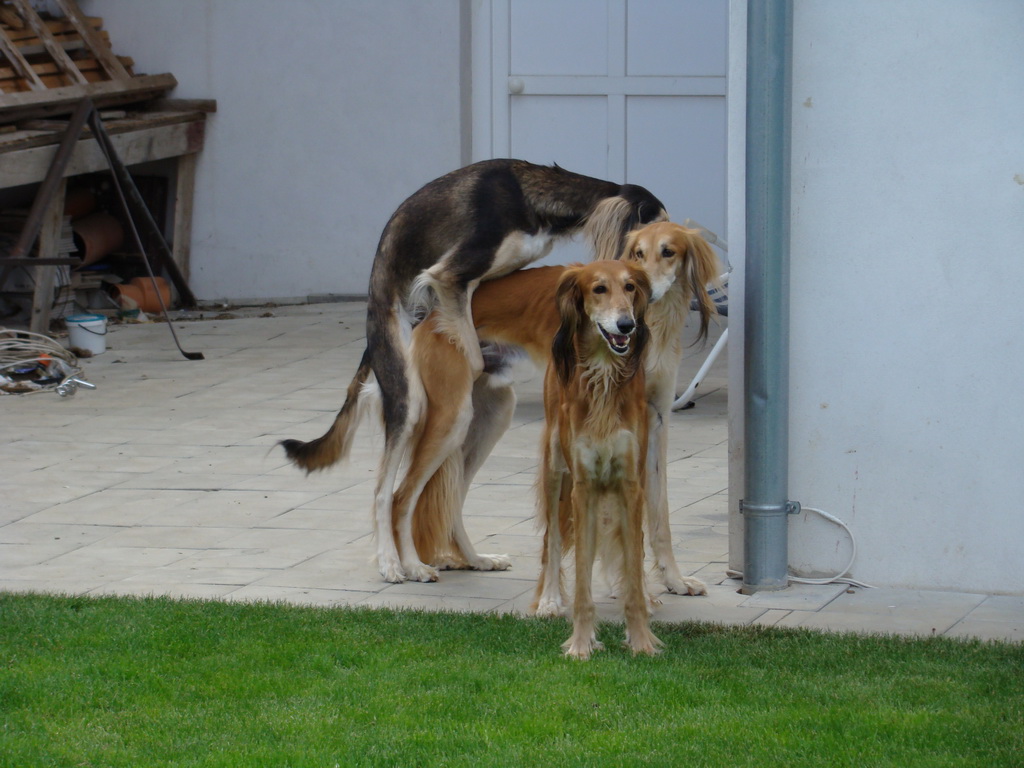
(547, 601)
(631, 519)
(583, 641)
(658, 528)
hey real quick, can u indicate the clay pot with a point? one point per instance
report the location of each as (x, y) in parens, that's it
(80, 202)
(97, 235)
(140, 291)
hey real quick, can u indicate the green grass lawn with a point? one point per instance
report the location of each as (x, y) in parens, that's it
(147, 682)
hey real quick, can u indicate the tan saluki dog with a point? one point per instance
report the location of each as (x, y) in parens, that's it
(595, 443)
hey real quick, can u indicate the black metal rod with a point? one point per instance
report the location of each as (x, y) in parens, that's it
(138, 210)
(122, 182)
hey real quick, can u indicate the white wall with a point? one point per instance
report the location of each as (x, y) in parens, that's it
(908, 289)
(329, 114)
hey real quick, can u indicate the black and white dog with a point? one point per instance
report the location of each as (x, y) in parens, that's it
(477, 223)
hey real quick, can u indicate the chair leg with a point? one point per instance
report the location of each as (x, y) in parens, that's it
(684, 400)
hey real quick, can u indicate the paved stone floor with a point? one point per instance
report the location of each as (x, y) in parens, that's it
(166, 480)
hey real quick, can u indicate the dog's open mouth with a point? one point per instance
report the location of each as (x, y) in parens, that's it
(618, 343)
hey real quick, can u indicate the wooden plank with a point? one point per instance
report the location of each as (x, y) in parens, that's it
(57, 28)
(58, 101)
(99, 47)
(45, 69)
(49, 248)
(181, 236)
(19, 63)
(10, 19)
(29, 166)
(40, 133)
(69, 45)
(183, 105)
(57, 53)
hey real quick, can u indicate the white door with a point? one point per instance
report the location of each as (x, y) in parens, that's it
(627, 90)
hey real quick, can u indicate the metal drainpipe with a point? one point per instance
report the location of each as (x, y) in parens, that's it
(765, 506)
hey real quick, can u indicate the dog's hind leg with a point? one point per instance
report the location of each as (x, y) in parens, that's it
(494, 403)
(445, 421)
(658, 530)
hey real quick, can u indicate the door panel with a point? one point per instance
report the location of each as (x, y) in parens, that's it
(538, 132)
(676, 37)
(677, 146)
(566, 37)
(627, 90)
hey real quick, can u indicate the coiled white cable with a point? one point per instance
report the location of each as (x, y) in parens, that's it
(839, 578)
(19, 348)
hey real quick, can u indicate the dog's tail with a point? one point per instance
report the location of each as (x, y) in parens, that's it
(434, 289)
(611, 220)
(702, 270)
(433, 522)
(335, 444)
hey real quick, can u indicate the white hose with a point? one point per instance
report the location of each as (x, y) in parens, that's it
(839, 578)
(19, 348)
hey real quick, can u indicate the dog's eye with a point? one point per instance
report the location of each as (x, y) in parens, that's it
(667, 253)
(600, 289)
(639, 253)
(630, 287)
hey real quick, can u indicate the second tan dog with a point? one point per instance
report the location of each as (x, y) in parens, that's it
(518, 312)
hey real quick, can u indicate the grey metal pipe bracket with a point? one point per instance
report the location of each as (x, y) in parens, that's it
(790, 508)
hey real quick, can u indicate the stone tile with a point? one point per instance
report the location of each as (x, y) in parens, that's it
(889, 611)
(183, 537)
(998, 617)
(497, 585)
(17, 556)
(796, 597)
(770, 618)
(42, 534)
(242, 559)
(103, 555)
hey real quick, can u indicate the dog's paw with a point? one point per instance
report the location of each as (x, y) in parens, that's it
(391, 571)
(450, 564)
(492, 563)
(644, 642)
(421, 572)
(547, 608)
(686, 585)
(581, 647)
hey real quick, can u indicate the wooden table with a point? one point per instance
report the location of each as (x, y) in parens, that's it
(173, 130)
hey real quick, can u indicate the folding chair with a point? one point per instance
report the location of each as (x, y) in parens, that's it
(720, 296)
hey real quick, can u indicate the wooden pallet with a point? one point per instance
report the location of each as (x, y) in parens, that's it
(49, 65)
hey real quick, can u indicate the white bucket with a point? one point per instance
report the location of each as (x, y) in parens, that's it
(88, 332)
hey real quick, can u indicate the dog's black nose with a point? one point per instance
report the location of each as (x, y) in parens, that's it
(626, 326)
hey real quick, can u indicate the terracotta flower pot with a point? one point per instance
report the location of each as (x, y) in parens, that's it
(140, 291)
(97, 235)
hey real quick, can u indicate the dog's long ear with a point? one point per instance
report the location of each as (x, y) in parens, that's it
(702, 270)
(641, 298)
(570, 312)
(629, 244)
